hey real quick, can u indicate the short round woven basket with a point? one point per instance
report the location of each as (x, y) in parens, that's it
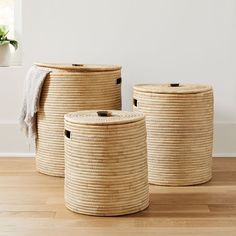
(66, 89)
(179, 120)
(106, 163)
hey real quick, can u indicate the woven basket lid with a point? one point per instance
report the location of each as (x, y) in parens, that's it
(94, 117)
(79, 67)
(172, 88)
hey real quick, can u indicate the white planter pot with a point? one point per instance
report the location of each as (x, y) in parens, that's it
(5, 55)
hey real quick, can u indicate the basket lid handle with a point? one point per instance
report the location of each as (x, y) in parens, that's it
(77, 64)
(104, 113)
(174, 85)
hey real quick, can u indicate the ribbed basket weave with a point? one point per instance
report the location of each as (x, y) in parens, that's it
(67, 89)
(106, 163)
(179, 121)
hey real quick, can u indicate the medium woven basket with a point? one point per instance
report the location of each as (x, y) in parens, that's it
(179, 121)
(106, 163)
(67, 89)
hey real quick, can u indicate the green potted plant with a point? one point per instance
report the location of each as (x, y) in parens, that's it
(5, 53)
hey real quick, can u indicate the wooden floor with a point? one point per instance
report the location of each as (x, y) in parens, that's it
(32, 204)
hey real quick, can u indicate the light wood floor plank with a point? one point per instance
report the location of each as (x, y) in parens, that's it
(32, 204)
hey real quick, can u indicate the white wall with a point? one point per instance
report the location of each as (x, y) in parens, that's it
(186, 41)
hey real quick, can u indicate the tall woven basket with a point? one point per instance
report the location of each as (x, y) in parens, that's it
(106, 163)
(179, 132)
(70, 88)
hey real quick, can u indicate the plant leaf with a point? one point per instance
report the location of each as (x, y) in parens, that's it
(14, 43)
(4, 42)
(3, 31)
(3, 37)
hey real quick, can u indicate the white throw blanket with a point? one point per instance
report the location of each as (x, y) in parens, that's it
(32, 90)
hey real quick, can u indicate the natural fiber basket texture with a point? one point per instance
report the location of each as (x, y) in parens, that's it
(179, 122)
(106, 163)
(67, 89)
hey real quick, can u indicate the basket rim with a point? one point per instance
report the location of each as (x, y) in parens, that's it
(90, 117)
(167, 89)
(79, 67)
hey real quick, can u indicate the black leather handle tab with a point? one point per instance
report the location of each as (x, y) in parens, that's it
(104, 113)
(118, 81)
(77, 65)
(67, 133)
(174, 85)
